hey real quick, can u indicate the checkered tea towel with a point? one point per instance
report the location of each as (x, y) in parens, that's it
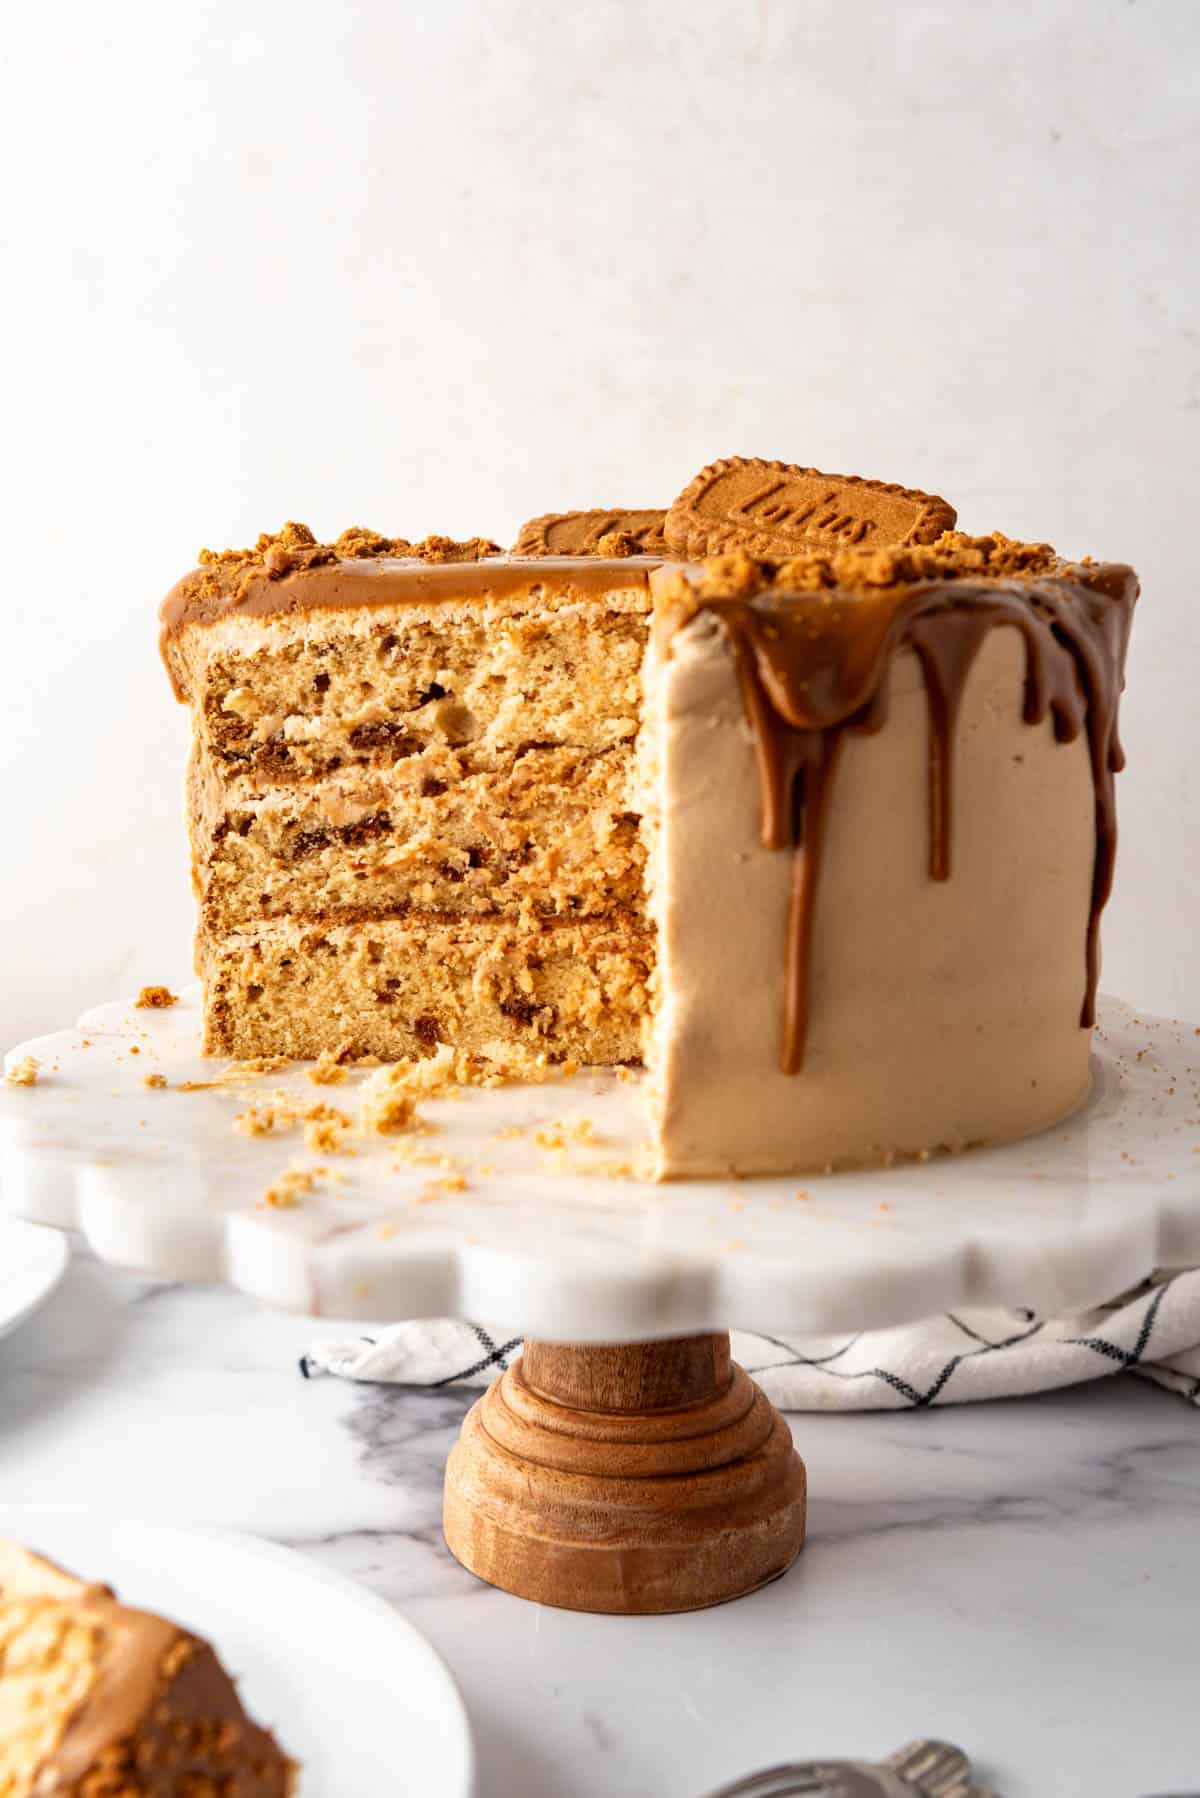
(1153, 1331)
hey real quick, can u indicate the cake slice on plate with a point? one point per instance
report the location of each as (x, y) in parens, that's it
(100, 1701)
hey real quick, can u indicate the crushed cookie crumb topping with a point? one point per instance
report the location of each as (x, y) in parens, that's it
(953, 556)
(327, 1070)
(295, 548)
(287, 1190)
(155, 998)
(24, 1072)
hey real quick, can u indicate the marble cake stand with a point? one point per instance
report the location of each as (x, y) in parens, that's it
(624, 1464)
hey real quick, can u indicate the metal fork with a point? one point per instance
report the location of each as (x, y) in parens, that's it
(924, 1769)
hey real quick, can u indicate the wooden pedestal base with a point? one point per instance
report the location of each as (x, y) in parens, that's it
(654, 1477)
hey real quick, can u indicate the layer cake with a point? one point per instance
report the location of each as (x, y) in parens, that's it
(820, 827)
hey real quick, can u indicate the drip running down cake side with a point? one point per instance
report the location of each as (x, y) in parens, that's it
(821, 836)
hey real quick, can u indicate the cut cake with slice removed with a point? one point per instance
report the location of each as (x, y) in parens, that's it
(97, 1699)
(829, 853)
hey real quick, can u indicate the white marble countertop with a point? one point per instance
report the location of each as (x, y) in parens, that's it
(1023, 1578)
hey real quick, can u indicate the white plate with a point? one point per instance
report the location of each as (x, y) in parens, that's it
(352, 1690)
(32, 1262)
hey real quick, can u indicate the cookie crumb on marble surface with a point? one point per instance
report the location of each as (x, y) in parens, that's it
(327, 1070)
(24, 1072)
(155, 998)
(326, 1130)
(564, 1131)
(440, 1189)
(386, 1109)
(286, 1190)
(236, 1072)
(325, 1127)
(266, 1120)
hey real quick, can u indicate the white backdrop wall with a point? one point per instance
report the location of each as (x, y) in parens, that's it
(440, 265)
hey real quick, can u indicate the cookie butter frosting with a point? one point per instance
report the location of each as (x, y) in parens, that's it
(969, 689)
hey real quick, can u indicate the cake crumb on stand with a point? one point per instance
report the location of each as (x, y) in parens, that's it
(155, 998)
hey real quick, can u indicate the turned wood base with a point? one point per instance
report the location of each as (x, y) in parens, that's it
(653, 1477)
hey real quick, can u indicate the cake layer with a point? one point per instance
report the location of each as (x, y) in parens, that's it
(548, 834)
(936, 1013)
(396, 988)
(288, 697)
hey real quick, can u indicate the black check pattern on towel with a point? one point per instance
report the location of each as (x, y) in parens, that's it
(914, 1398)
(494, 1355)
(1152, 1332)
(1128, 1357)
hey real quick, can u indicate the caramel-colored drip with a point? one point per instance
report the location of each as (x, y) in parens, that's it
(946, 649)
(812, 669)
